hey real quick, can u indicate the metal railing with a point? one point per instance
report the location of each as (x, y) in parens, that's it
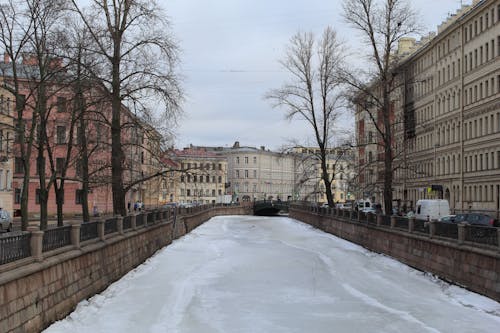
(127, 223)
(421, 226)
(15, 247)
(386, 220)
(473, 235)
(447, 230)
(111, 225)
(401, 222)
(139, 220)
(56, 238)
(481, 234)
(18, 245)
(88, 230)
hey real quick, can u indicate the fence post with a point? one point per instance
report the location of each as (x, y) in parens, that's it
(133, 224)
(36, 243)
(119, 224)
(432, 228)
(100, 229)
(461, 232)
(75, 234)
(411, 224)
(393, 221)
(379, 219)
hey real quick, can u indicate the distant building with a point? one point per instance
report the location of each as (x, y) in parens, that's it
(257, 173)
(340, 165)
(200, 176)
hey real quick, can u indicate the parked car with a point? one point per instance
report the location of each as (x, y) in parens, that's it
(5, 221)
(447, 219)
(476, 219)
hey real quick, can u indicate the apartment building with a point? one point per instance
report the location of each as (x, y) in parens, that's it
(258, 174)
(200, 178)
(447, 114)
(92, 130)
(6, 157)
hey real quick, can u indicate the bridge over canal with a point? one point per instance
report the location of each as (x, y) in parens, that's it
(270, 207)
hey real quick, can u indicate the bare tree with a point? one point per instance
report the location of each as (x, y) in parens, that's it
(15, 31)
(313, 94)
(141, 57)
(381, 23)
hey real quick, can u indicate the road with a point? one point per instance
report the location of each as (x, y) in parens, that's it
(261, 274)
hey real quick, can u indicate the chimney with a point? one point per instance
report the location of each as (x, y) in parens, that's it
(236, 144)
(6, 58)
(262, 148)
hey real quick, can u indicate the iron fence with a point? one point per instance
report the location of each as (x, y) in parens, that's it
(362, 216)
(371, 218)
(447, 230)
(15, 247)
(139, 220)
(111, 225)
(354, 215)
(88, 230)
(421, 226)
(127, 223)
(481, 234)
(401, 222)
(56, 238)
(386, 220)
(151, 218)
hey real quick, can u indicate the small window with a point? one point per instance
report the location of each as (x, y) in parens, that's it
(17, 196)
(60, 164)
(61, 104)
(61, 135)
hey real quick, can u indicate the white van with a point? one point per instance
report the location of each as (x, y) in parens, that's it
(362, 204)
(432, 210)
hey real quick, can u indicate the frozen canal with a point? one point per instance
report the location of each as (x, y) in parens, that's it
(257, 274)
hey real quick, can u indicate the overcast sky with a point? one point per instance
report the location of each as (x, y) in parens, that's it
(230, 54)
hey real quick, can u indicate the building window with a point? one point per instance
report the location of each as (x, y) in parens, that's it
(17, 196)
(79, 168)
(60, 164)
(188, 192)
(246, 159)
(237, 173)
(237, 160)
(61, 135)
(254, 160)
(18, 165)
(246, 173)
(61, 104)
(255, 174)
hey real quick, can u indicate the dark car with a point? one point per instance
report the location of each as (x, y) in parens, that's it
(476, 219)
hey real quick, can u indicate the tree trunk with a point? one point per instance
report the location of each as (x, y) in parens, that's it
(117, 156)
(388, 174)
(60, 203)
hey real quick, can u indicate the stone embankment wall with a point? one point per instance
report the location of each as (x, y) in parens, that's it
(475, 268)
(34, 294)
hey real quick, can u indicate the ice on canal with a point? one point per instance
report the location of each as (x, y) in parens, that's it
(258, 274)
